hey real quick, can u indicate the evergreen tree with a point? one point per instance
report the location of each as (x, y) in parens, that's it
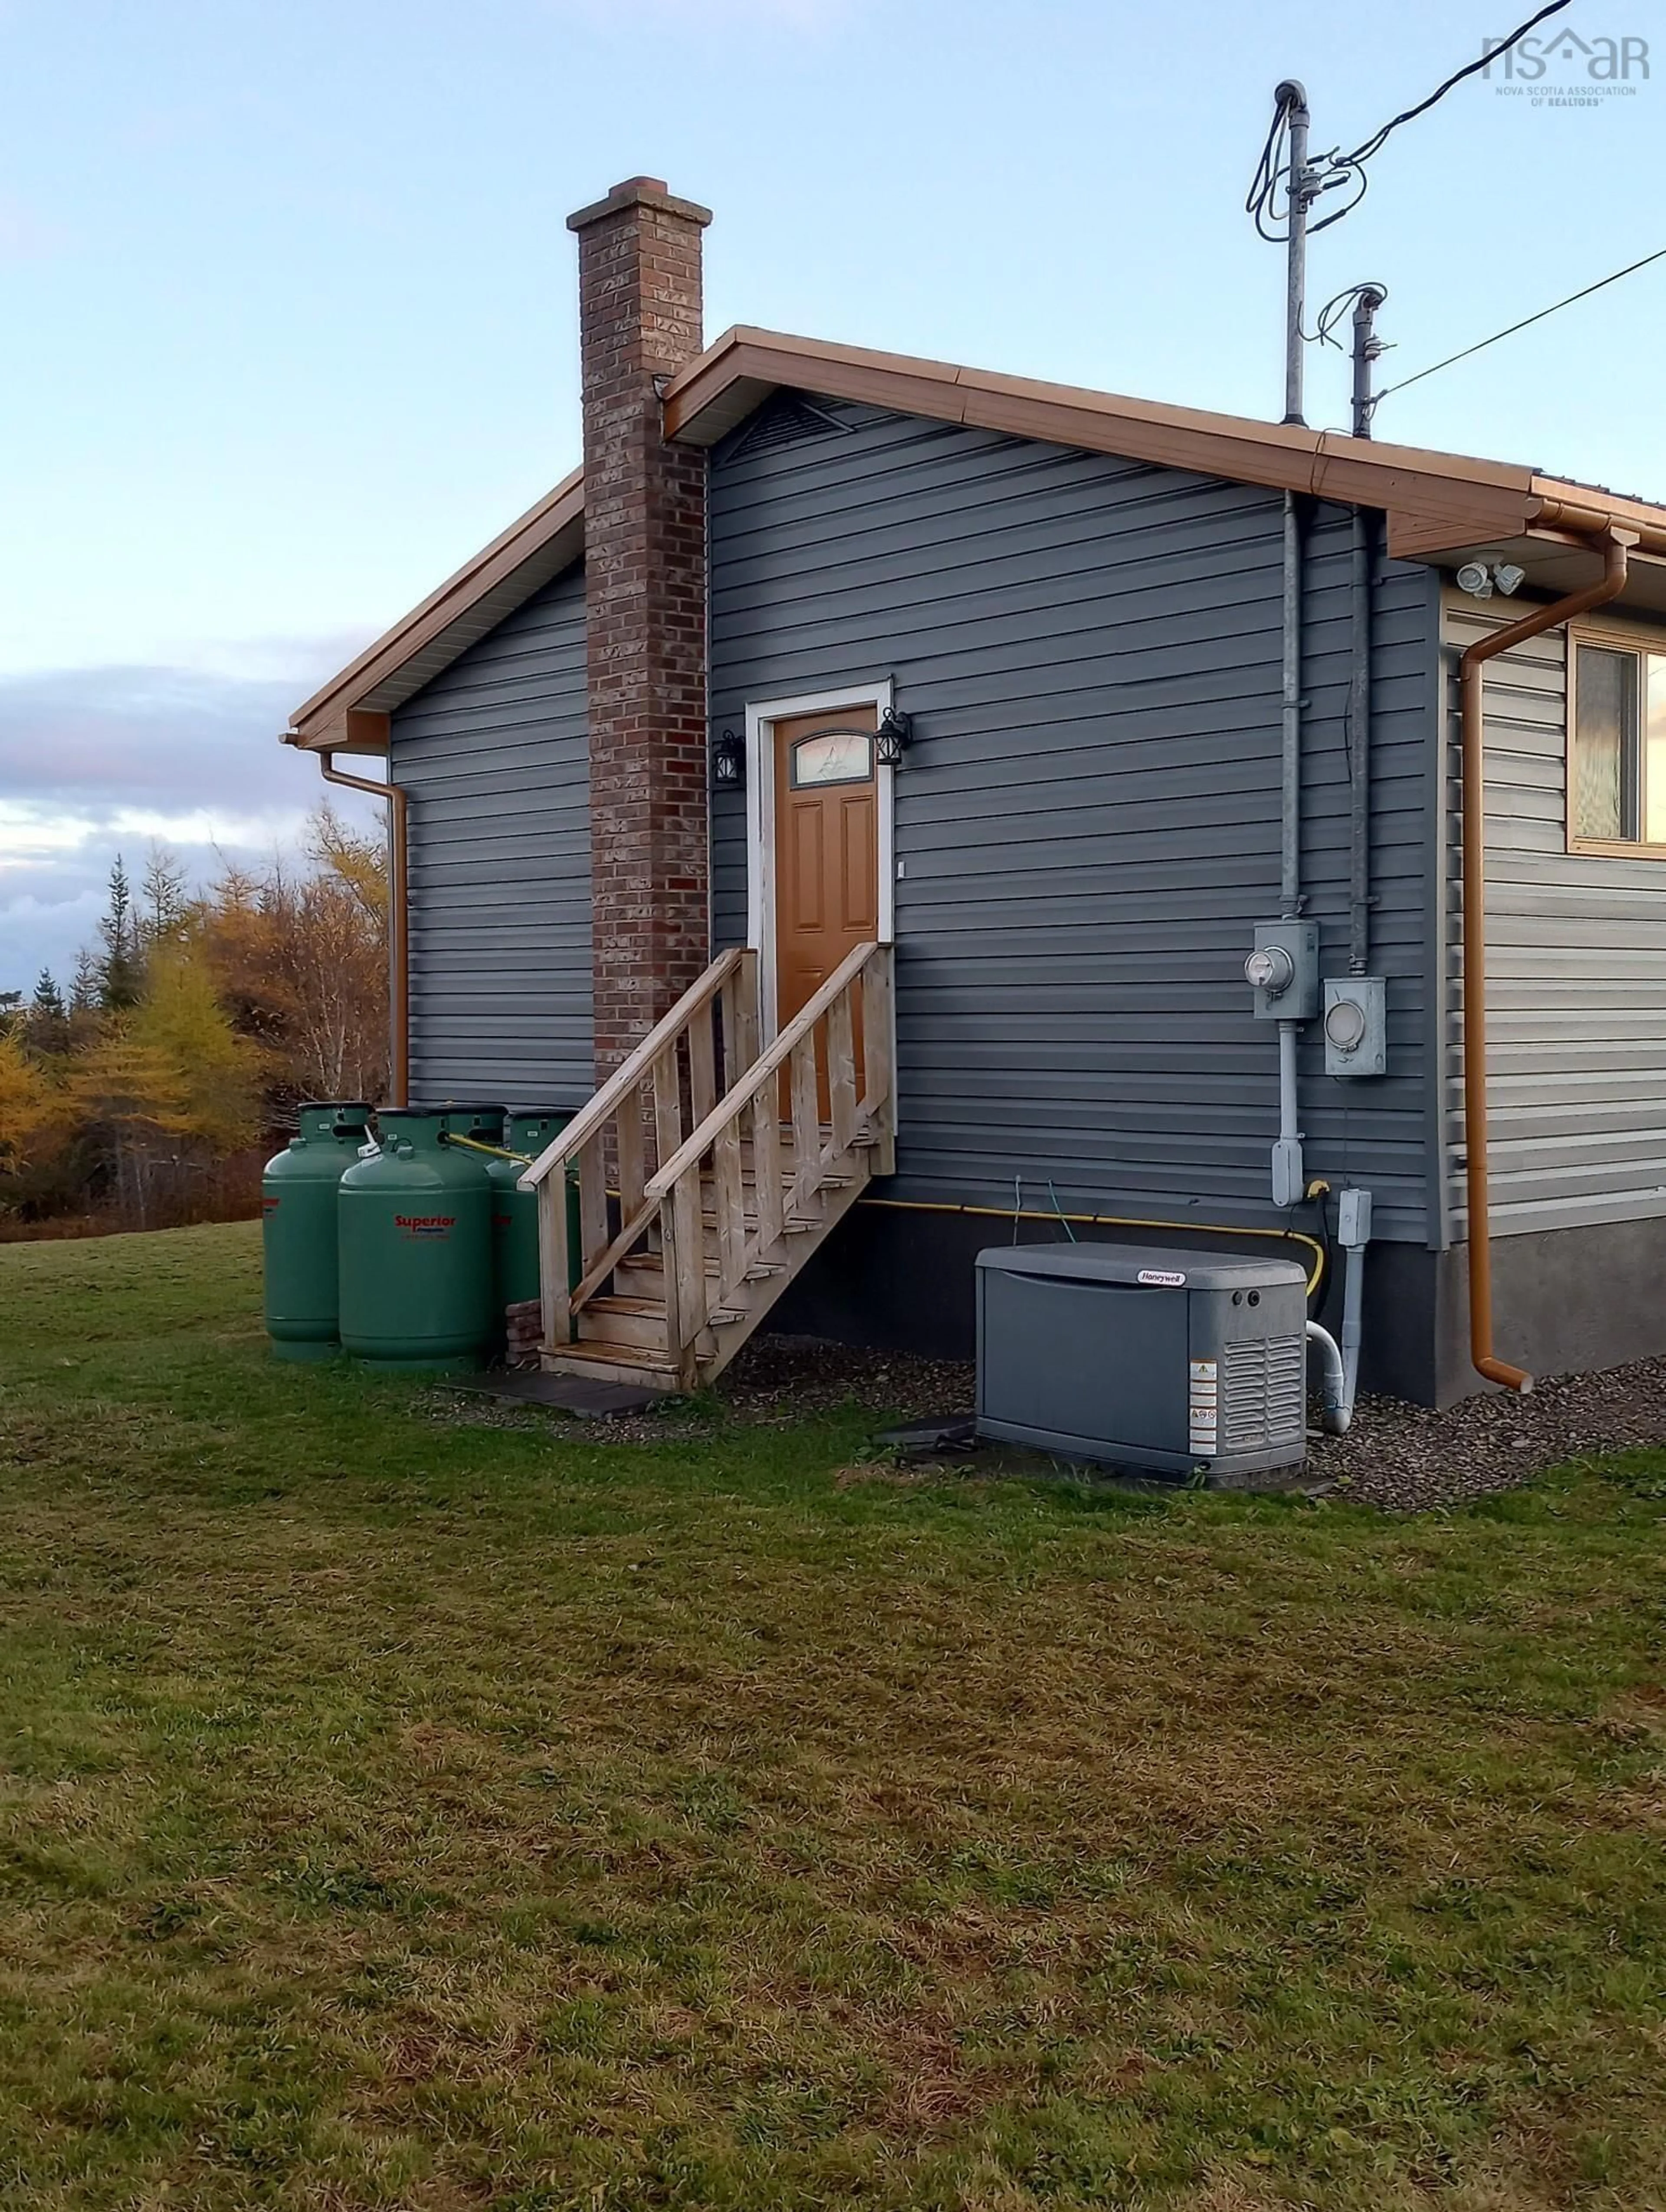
(163, 908)
(84, 984)
(119, 971)
(47, 1025)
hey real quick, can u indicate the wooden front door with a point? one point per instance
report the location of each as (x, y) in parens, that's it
(827, 847)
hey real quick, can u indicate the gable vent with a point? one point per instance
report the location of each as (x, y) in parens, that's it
(788, 419)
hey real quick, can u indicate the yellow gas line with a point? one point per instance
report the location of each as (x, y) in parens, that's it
(1112, 1221)
(474, 1144)
(1026, 1213)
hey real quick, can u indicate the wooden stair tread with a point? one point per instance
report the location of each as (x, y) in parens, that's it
(650, 1265)
(600, 1352)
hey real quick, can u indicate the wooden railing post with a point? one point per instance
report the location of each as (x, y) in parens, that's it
(842, 1071)
(667, 1106)
(685, 1261)
(767, 1192)
(879, 1058)
(729, 1209)
(806, 1111)
(554, 1262)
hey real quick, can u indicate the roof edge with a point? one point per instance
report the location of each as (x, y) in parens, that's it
(1437, 503)
(321, 720)
(1435, 499)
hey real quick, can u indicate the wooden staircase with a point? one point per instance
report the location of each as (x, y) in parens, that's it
(709, 1172)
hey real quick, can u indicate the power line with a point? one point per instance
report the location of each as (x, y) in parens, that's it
(1339, 169)
(1374, 143)
(1481, 347)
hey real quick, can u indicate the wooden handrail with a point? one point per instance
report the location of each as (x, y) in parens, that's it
(593, 1117)
(769, 1064)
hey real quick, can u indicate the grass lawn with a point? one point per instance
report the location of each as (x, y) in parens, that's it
(398, 1810)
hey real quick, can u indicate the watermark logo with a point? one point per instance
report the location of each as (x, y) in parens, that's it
(1568, 70)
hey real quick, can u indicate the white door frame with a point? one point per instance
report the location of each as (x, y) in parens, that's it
(761, 719)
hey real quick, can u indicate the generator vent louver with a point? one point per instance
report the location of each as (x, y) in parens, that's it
(787, 421)
(1263, 1383)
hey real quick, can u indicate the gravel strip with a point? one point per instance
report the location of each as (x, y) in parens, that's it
(1399, 1458)
(1407, 1459)
(1402, 1458)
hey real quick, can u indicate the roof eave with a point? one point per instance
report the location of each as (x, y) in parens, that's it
(532, 551)
(1437, 504)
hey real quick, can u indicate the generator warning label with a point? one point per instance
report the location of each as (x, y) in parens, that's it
(1163, 1279)
(1202, 1412)
(425, 1225)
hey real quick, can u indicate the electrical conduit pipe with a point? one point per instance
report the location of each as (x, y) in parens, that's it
(1613, 547)
(1336, 1409)
(1288, 1177)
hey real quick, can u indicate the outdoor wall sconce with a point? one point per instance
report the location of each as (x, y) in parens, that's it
(895, 734)
(729, 763)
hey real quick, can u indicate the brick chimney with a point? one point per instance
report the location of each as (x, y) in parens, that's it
(645, 600)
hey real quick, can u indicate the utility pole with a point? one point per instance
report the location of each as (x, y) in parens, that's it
(1366, 347)
(1291, 98)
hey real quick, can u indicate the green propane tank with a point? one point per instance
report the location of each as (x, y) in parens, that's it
(514, 1211)
(482, 1125)
(298, 1227)
(416, 1223)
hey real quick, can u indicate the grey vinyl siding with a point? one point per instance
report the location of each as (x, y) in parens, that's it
(495, 756)
(1088, 823)
(1576, 968)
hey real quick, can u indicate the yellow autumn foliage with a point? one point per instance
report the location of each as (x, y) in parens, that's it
(32, 1112)
(215, 1074)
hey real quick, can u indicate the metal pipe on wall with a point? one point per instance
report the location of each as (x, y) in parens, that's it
(1473, 732)
(1287, 1174)
(1368, 298)
(399, 972)
(1290, 97)
(1290, 717)
(1289, 1179)
(1359, 741)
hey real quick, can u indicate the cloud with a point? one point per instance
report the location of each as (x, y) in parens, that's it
(101, 760)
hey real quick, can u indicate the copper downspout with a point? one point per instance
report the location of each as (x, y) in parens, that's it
(1471, 693)
(399, 984)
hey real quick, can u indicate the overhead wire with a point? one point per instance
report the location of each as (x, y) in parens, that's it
(1336, 171)
(1526, 323)
(1375, 144)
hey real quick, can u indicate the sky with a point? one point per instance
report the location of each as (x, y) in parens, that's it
(291, 318)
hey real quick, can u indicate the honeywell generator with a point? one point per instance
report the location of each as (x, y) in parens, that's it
(1160, 1359)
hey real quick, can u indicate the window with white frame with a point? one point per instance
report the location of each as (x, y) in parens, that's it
(1617, 747)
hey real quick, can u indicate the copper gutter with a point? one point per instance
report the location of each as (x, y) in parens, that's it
(398, 910)
(1472, 685)
(1624, 517)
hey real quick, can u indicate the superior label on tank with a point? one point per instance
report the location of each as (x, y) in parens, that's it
(1163, 1279)
(425, 1225)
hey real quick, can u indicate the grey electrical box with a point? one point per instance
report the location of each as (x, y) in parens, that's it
(1356, 1025)
(1159, 1358)
(1283, 970)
